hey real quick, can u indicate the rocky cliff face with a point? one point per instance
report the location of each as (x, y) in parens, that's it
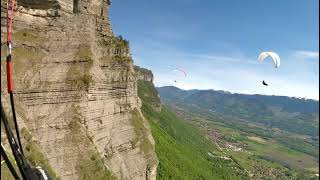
(143, 74)
(76, 89)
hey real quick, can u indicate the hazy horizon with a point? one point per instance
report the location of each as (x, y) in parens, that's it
(237, 92)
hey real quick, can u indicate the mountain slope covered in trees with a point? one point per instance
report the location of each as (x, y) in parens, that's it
(186, 148)
(277, 129)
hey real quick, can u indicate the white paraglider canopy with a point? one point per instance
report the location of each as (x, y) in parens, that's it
(274, 56)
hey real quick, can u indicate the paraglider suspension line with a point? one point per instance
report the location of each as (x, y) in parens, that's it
(8, 163)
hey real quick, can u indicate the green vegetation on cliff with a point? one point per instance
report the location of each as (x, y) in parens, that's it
(89, 163)
(35, 156)
(141, 133)
(79, 73)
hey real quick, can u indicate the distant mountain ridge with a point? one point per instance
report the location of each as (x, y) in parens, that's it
(294, 115)
(293, 104)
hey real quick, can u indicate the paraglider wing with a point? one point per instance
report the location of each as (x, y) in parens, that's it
(274, 56)
(175, 68)
(185, 74)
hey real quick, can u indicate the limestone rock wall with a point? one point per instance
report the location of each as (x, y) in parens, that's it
(143, 74)
(69, 68)
(97, 7)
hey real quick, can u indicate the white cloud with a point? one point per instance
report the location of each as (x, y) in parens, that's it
(306, 54)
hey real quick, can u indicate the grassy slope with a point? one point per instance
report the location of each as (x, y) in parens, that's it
(182, 149)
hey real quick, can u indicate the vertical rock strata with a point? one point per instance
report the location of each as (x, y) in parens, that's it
(76, 88)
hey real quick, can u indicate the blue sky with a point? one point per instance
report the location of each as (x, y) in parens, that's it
(217, 43)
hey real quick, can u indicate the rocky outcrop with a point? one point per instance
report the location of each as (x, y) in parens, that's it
(146, 76)
(76, 88)
(143, 74)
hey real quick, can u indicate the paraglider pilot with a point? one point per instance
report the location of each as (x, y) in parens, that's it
(264, 83)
